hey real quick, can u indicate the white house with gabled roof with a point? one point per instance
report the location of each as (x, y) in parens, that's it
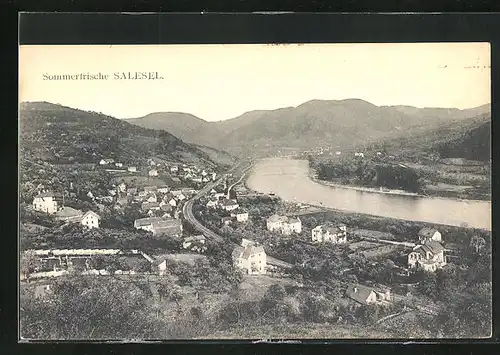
(45, 202)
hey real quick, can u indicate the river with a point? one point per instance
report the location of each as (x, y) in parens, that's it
(289, 179)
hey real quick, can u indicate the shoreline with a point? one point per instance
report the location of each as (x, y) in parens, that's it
(324, 209)
(245, 182)
(386, 192)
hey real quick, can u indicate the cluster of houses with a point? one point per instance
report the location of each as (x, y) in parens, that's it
(155, 168)
(335, 233)
(188, 173)
(159, 201)
(429, 254)
(194, 174)
(48, 202)
(220, 200)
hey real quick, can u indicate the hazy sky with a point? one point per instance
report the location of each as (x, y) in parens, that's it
(217, 82)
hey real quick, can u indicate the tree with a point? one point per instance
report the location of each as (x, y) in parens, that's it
(27, 263)
(428, 285)
(477, 243)
(273, 299)
(89, 308)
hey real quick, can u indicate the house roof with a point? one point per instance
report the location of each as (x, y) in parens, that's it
(252, 250)
(146, 221)
(427, 232)
(433, 247)
(332, 228)
(91, 213)
(168, 196)
(294, 220)
(276, 218)
(223, 219)
(359, 293)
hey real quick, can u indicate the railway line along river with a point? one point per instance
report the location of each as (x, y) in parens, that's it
(289, 179)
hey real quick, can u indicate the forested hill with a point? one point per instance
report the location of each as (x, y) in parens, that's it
(468, 139)
(187, 127)
(57, 134)
(474, 144)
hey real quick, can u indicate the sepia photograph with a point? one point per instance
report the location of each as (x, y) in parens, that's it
(255, 191)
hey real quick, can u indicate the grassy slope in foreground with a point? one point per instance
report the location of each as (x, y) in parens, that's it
(300, 331)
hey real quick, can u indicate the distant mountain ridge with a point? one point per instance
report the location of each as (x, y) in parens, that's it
(342, 123)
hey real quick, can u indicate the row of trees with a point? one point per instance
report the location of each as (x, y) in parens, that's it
(290, 305)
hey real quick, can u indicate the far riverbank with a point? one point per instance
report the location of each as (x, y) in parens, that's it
(291, 181)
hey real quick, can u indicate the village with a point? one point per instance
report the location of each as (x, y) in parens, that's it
(228, 211)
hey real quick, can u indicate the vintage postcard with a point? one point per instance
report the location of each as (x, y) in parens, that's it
(255, 191)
